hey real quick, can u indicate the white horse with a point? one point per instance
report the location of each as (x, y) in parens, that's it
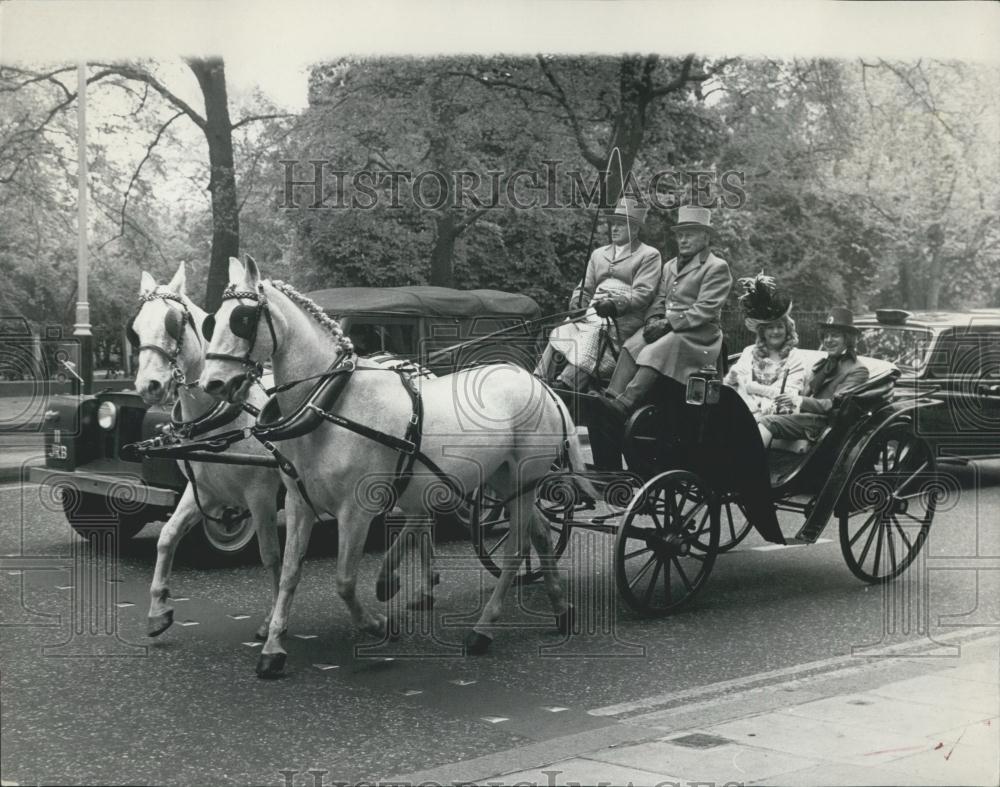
(494, 424)
(172, 351)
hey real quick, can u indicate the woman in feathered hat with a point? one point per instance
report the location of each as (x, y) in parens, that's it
(772, 365)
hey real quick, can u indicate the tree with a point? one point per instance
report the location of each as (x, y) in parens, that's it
(215, 124)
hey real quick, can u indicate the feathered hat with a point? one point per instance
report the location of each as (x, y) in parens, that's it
(761, 301)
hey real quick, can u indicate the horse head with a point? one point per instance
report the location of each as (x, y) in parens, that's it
(241, 335)
(163, 331)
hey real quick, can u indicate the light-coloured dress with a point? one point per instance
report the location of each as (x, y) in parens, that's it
(759, 380)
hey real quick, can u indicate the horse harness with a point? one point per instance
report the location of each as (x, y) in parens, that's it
(174, 323)
(315, 408)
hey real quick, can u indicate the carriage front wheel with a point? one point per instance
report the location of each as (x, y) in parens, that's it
(889, 504)
(666, 544)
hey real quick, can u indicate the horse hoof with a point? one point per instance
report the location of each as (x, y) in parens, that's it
(384, 590)
(565, 620)
(423, 604)
(271, 665)
(157, 624)
(477, 644)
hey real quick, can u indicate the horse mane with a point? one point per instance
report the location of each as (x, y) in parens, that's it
(310, 307)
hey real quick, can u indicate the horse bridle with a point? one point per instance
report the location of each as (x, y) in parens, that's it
(173, 326)
(243, 324)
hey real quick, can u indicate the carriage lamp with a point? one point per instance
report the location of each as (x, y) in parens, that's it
(703, 387)
(107, 414)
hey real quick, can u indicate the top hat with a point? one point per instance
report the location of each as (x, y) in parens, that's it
(629, 209)
(762, 302)
(695, 217)
(841, 318)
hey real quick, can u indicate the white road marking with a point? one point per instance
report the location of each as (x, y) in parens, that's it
(323, 667)
(239, 616)
(253, 644)
(495, 719)
(461, 682)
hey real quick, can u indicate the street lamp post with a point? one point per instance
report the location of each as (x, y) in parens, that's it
(81, 329)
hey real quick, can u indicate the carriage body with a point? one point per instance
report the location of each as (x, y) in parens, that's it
(708, 481)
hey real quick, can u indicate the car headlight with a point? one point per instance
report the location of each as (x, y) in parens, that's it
(107, 415)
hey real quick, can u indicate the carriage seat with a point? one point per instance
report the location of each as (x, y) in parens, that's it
(877, 388)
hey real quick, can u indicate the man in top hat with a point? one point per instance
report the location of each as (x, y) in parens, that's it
(839, 371)
(620, 283)
(682, 333)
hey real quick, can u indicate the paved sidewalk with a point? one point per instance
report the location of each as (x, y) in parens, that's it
(937, 723)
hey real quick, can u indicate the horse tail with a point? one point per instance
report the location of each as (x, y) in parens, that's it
(576, 465)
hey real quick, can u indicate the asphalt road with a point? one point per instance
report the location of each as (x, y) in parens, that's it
(186, 708)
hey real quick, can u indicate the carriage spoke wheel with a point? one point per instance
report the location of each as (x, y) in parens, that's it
(734, 525)
(889, 505)
(492, 531)
(666, 544)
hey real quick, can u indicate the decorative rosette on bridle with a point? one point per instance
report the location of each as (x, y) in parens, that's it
(762, 302)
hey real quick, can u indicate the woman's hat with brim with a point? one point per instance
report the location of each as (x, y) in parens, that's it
(762, 302)
(693, 217)
(840, 318)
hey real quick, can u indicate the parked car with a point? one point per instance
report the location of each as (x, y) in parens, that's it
(422, 323)
(84, 436)
(952, 356)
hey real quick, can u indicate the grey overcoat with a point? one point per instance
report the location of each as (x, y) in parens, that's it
(692, 301)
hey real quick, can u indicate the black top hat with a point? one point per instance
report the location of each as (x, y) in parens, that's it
(841, 318)
(761, 301)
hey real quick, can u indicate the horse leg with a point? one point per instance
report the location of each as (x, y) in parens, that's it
(350, 545)
(265, 520)
(185, 516)
(298, 524)
(516, 548)
(550, 576)
(388, 584)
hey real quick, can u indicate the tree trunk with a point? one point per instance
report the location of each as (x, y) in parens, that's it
(442, 255)
(211, 75)
(630, 125)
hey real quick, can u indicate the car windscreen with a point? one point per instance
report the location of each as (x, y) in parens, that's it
(906, 347)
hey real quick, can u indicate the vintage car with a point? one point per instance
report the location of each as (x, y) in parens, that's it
(84, 436)
(950, 356)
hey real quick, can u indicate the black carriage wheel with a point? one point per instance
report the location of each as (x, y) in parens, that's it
(889, 505)
(734, 525)
(489, 538)
(666, 544)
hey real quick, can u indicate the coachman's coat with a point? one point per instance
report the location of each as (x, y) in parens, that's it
(639, 267)
(691, 300)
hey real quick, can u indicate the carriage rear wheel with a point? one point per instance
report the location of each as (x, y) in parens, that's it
(493, 531)
(666, 544)
(889, 505)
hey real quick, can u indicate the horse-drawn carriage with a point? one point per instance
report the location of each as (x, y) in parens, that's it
(699, 480)
(495, 437)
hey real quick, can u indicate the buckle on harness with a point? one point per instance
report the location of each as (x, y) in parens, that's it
(407, 447)
(414, 419)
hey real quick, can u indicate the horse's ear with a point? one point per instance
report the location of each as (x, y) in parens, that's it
(146, 284)
(252, 273)
(236, 271)
(180, 279)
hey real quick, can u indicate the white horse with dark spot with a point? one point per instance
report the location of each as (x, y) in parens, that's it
(493, 424)
(167, 328)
